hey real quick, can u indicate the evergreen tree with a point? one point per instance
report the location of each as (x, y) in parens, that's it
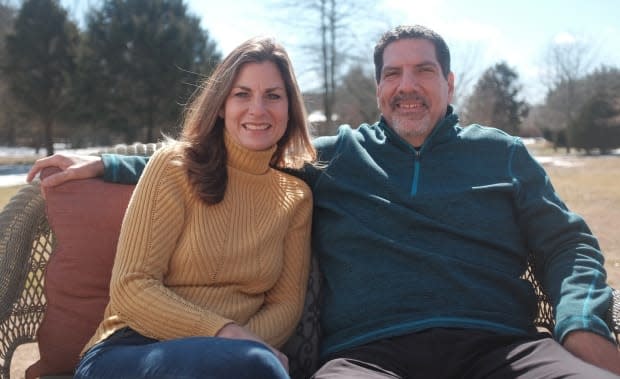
(7, 126)
(597, 123)
(592, 130)
(594, 99)
(140, 62)
(494, 100)
(39, 61)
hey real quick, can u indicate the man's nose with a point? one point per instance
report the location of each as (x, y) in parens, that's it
(408, 82)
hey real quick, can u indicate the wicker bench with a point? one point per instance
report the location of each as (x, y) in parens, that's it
(35, 248)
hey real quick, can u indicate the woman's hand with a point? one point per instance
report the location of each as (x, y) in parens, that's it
(235, 331)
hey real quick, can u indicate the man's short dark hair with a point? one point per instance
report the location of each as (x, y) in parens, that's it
(412, 32)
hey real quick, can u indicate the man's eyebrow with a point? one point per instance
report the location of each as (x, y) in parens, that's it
(420, 64)
(428, 63)
(390, 68)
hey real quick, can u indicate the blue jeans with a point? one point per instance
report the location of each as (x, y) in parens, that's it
(128, 355)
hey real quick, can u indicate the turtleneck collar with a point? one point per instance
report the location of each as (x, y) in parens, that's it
(250, 161)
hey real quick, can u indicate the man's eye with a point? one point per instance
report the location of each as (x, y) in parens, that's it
(390, 74)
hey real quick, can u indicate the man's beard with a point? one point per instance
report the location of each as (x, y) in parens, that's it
(406, 127)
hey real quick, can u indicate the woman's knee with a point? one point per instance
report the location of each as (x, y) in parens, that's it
(187, 357)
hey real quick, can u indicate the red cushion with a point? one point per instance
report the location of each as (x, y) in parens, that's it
(85, 216)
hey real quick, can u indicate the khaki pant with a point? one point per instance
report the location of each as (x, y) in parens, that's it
(459, 353)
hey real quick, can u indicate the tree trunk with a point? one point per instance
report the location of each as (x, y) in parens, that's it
(48, 125)
(11, 135)
(150, 121)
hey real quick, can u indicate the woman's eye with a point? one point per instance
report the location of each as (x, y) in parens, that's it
(273, 96)
(240, 94)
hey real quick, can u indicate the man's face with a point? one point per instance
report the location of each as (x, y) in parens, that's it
(412, 92)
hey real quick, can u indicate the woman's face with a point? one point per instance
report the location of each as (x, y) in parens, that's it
(256, 110)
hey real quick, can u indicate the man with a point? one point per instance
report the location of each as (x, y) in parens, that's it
(423, 228)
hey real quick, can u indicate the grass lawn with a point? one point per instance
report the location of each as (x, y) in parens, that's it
(6, 193)
(591, 188)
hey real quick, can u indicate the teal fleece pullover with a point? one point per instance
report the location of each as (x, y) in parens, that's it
(438, 237)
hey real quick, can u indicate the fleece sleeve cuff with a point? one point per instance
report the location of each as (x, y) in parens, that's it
(591, 324)
(122, 169)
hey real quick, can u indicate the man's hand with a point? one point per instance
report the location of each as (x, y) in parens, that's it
(235, 331)
(593, 349)
(72, 167)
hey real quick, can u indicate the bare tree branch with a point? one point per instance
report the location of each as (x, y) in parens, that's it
(331, 41)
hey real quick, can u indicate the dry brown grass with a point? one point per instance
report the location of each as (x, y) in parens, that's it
(591, 188)
(6, 193)
(19, 159)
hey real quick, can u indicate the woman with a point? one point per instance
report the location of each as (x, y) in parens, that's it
(213, 255)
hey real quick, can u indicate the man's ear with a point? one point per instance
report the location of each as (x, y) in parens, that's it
(450, 87)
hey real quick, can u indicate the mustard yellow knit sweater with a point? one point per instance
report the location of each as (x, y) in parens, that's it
(184, 268)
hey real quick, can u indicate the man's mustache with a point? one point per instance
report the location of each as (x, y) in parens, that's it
(406, 97)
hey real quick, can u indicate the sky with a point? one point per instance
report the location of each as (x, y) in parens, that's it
(480, 33)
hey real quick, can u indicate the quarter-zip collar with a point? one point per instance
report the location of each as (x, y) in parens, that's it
(443, 132)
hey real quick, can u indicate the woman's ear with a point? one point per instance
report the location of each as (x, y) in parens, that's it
(221, 112)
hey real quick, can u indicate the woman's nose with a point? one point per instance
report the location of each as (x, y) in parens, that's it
(257, 106)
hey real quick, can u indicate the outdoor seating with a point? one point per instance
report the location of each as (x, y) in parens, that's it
(56, 256)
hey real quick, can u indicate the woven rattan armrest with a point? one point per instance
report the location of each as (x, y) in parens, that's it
(25, 246)
(26, 243)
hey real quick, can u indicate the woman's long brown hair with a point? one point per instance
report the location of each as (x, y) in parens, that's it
(203, 149)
